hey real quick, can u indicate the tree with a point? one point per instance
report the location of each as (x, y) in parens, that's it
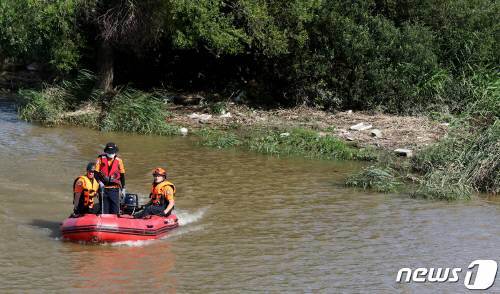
(40, 31)
(132, 24)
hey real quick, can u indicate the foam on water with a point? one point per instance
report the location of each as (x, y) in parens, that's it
(182, 231)
(186, 217)
(139, 243)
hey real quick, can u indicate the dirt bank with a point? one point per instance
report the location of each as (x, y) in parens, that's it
(396, 131)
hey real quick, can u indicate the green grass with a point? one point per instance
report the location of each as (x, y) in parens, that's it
(137, 112)
(380, 179)
(134, 111)
(128, 110)
(43, 106)
(218, 107)
(461, 164)
(441, 185)
(296, 142)
(218, 139)
(304, 142)
(48, 105)
(465, 162)
(468, 160)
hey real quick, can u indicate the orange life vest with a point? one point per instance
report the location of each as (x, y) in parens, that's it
(89, 190)
(157, 197)
(110, 173)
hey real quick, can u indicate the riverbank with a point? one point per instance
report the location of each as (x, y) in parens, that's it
(155, 113)
(450, 157)
(412, 132)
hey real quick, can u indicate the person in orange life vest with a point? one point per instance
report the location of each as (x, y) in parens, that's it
(161, 197)
(85, 189)
(112, 176)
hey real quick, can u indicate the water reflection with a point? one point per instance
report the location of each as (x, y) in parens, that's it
(139, 266)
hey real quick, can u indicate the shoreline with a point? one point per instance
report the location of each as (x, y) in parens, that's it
(412, 132)
(427, 150)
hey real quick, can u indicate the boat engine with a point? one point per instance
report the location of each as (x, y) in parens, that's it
(130, 204)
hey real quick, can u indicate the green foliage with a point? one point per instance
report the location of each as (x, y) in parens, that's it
(391, 56)
(218, 107)
(218, 139)
(486, 106)
(469, 158)
(302, 142)
(440, 185)
(205, 22)
(376, 178)
(135, 111)
(467, 31)
(364, 61)
(47, 105)
(43, 106)
(88, 117)
(297, 142)
(129, 110)
(42, 31)
(399, 57)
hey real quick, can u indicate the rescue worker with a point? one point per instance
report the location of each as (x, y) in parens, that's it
(161, 197)
(112, 176)
(85, 189)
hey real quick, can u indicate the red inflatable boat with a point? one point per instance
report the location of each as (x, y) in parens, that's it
(116, 228)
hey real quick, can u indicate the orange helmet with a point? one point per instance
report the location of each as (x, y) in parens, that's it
(159, 171)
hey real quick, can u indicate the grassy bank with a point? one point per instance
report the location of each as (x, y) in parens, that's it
(286, 142)
(130, 110)
(78, 103)
(468, 160)
(464, 162)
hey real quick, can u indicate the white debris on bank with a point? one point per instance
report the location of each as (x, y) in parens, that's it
(361, 127)
(202, 118)
(184, 131)
(404, 152)
(376, 133)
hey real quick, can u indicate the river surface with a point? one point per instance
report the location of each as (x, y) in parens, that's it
(249, 223)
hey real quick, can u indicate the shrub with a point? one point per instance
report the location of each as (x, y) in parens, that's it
(442, 185)
(218, 139)
(218, 107)
(44, 106)
(48, 105)
(136, 111)
(469, 158)
(376, 178)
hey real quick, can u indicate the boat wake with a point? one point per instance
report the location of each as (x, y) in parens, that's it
(185, 218)
(139, 243)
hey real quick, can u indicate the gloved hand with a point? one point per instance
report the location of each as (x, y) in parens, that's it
(124, 191)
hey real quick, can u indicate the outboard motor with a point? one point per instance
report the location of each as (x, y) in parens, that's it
(130, 204)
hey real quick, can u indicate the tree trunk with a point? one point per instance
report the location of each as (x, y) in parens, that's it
(106, 70)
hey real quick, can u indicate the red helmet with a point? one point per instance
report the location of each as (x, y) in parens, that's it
(159, 171)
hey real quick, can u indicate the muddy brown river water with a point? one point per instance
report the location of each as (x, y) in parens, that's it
(249, 223)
